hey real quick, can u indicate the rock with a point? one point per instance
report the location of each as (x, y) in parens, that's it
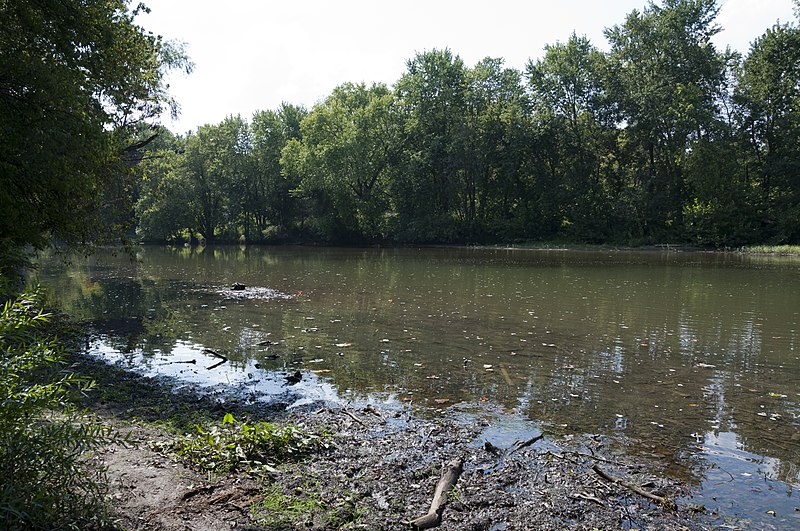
(295, 378)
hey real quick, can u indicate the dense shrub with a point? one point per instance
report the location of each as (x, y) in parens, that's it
(44, 439)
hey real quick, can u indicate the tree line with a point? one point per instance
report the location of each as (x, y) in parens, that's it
(80, 82)
(663, 138)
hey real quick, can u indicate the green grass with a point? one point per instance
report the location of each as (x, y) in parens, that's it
(783, 250)
(277, 510)
(304, 506)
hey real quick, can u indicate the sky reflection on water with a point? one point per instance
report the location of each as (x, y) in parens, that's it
(693, 358)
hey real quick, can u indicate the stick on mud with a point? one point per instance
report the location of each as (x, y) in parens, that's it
(450, 474)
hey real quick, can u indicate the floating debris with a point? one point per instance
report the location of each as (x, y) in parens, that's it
(295, 378)
(256, 293)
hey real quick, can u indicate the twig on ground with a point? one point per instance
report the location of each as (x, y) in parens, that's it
(525, 444)
(588, 497)
(632, 487)
(352, 416)
(450, 474)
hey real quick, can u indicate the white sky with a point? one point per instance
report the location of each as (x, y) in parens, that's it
(254, 54)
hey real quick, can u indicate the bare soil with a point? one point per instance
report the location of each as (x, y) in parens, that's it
(379, 472)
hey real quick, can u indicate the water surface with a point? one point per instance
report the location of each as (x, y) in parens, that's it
(692, 358)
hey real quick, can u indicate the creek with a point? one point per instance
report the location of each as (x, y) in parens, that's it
(691, 359)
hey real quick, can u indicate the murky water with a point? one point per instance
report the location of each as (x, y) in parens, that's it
(694, 358)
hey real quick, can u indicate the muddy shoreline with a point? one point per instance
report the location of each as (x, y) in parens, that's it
(379, 470)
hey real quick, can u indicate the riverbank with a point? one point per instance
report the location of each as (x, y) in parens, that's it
(376, 470)
(763, 249)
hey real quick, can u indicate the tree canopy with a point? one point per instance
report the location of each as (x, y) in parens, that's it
(80, 85)
(663, 138)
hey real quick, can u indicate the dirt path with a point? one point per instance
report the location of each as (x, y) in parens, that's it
(152, 492)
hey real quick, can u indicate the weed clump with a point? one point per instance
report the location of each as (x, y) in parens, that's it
(251, 447)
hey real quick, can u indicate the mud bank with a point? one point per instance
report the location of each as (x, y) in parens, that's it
(379, 470)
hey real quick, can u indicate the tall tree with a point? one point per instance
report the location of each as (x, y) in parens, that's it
(162, 207)
(494, 145)
(769, 94)
(272, 202)
(75, 78)
(350, 146)
(432, 97)
(667, 82)
(212, 168)
(567, 86)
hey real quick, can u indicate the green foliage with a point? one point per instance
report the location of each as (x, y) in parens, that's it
(769, 95)
(162, 209)
(663, 138)
(271, 201)
(242, 445)
(304, 507)
(350, 144)
(277, 510)
(43, 438)
(667, 78)
(80, 81)
(572, 108)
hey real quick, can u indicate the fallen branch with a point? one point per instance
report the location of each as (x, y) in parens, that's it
(450, 474)
(525, 444)
(215, 353)
(588, 497)
(632, 487)
(358, 420)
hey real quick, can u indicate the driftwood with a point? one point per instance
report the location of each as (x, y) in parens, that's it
(588, 497)
(358, 420)
(632, 487)
(525, 444)
(216, 354)
(450, 474)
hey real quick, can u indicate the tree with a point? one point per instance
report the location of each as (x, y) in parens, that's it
(769, 94)
(667, 81)
(162, 208)
(496, 143)
(271, 201)
(214, 167)
(567, 87)
(76, 78)
(432, 99)
(351, 145)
